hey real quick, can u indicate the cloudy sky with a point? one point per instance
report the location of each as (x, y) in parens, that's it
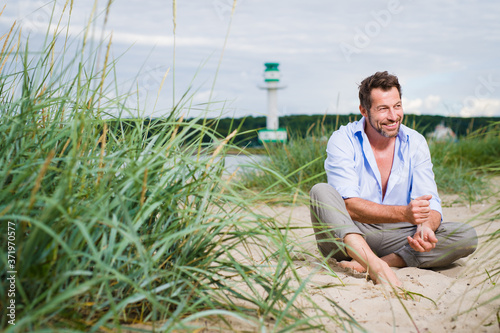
(446, 53)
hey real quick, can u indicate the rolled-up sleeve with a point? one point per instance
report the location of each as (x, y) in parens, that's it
(340, 165)
(423, 181)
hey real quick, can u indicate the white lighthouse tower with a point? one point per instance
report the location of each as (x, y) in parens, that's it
(272, 133)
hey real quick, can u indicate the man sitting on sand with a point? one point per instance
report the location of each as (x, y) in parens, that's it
(381, 208)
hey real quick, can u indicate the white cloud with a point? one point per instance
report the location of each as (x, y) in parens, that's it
(486, 107)
(436, 50)
(419, 106)
(143, 39)
(432, 101)
(412, 106)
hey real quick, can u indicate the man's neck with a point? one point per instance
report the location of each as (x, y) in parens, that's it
(383, 151)
(378, 142)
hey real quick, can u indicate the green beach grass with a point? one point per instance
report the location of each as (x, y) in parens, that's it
(118, 220)
(112, 221)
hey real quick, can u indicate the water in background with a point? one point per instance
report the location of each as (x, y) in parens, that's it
(242, 161)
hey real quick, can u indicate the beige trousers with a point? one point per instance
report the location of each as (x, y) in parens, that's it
(331, 223)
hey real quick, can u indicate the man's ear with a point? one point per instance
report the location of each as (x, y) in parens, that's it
(363, 111)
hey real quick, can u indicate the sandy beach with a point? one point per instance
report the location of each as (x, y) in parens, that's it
(451, 299)
(450, 295)
(459, 298)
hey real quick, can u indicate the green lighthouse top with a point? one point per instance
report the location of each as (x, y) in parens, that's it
(272, 73)
(272, 66)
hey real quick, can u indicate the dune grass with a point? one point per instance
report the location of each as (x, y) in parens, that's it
(125, 221)
(290, 169)
(464, 167)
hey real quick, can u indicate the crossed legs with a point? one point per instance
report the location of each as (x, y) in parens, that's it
(377, 247)
(365, 260)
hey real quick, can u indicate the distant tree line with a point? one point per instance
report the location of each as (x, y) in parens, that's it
(324, 125)
(302, 125)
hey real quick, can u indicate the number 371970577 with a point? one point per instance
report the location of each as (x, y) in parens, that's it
(11, 246)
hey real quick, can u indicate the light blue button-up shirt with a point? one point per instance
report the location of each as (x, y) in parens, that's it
(352, 170)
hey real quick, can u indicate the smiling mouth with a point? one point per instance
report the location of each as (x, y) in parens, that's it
(391, 125)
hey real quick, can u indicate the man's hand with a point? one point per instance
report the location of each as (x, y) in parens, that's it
(418, 211)
(425, 244)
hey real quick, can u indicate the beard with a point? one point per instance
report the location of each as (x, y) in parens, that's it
(380, 130)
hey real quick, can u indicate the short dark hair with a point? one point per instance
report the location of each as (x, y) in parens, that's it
(382, 80)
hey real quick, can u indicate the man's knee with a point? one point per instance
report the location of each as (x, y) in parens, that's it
(459, 241)
(469, 239)
(318, 189)
(463, 235)
(326, 194)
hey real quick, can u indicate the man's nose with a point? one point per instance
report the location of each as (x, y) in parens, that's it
(391, 114)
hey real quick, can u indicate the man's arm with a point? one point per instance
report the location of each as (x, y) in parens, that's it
(418, 211)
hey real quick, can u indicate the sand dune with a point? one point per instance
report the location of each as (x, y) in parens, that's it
(459, 298)
(449, 295)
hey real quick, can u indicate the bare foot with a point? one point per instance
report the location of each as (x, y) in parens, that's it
(353, 264)
(379, 271)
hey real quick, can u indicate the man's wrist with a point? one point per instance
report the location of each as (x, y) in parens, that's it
(433, 222)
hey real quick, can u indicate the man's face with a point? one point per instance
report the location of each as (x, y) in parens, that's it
(386, 113)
